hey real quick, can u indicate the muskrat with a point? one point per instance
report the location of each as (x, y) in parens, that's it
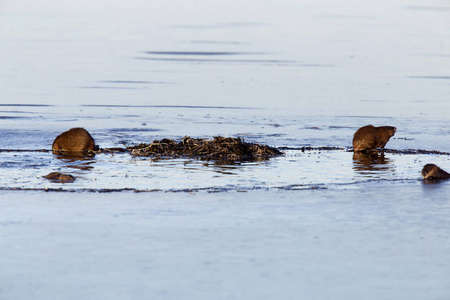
(431, 171)
(75, 140)
(59, 177)
(371, 137)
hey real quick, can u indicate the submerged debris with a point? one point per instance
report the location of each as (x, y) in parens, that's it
(416, 151)
(218, 148)
(309, 148)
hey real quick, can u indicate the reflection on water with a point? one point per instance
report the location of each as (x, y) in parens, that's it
(219, 167)
(200, 56)
(371, 164)
(435, 183)
(76, 161)
(234, 167)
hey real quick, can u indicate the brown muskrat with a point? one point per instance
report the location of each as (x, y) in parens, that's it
(59, 177)
(431, 171)
(75, 140)
(370, 137)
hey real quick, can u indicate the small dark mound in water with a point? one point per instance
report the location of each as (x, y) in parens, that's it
(218, 148)
(59, 177)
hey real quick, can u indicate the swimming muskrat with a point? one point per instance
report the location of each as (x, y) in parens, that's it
(431, 171)
(59, 177)
(370, 137)
(75, 140)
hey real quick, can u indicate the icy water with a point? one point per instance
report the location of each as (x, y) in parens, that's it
(314, 224)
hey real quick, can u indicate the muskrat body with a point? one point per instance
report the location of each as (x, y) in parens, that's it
(59, 177)
(75, 140)
(370, 137)
(431, 171)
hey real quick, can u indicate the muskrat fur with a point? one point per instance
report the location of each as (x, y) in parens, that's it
(370, 137)
(59, 177)
(431, 171)
(75, 140)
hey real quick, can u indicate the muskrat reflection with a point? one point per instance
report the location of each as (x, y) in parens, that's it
(232, 167)
(75, 161)
(368, 164)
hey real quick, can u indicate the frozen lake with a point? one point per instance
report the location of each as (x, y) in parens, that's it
(315, 224)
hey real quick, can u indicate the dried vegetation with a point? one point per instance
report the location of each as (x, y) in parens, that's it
(223, 148)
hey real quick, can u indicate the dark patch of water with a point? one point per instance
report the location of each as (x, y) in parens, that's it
(13, 117)
(110, 88)
(342, 127)
(345, 17)
(277, 62)
(17, 112)
(133, 129)
(134, 82)
(26, 105)
(367, 116)
(210, 42)
(201, 53)
(218, 25)
(170, 106)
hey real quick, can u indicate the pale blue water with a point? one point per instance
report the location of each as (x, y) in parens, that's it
(283, 73)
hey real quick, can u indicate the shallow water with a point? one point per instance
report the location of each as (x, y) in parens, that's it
(296, 169)
(284, 73)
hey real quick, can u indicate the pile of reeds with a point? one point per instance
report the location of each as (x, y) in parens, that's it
(219, 148)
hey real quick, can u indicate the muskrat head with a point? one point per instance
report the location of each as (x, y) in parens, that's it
(428, 170)
(389, 130)
(384, 133)
(431, 171)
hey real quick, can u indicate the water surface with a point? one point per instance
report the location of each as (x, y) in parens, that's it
(285, 73)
